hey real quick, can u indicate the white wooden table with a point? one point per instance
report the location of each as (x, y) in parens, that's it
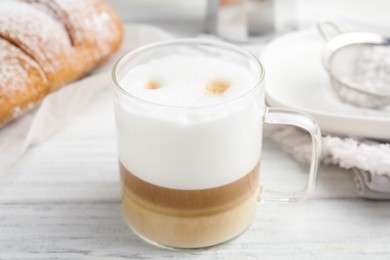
(62, 201)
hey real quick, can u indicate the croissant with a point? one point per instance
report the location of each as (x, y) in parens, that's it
(45, 44)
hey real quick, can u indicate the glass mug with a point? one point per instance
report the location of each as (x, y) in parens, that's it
(190, 174)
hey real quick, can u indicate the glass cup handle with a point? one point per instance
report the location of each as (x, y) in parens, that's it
(304, 121)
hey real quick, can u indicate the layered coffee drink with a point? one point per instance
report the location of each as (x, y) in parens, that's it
(189, 144)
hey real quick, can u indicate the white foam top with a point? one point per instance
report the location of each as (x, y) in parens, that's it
(212, 146)
(182, 80)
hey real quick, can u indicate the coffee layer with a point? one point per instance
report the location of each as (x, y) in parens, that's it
(189, 218)
(195, 231)
(223, 196)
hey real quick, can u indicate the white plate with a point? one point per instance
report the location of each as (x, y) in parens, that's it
(295, 78)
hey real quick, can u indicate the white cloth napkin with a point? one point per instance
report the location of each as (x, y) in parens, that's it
(368, 160)
(59, 107)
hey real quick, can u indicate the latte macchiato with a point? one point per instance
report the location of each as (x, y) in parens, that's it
(189, 118)
(189, 176)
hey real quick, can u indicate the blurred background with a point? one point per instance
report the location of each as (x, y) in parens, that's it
(191, 14)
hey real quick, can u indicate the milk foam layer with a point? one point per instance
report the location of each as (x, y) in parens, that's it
(189, 148)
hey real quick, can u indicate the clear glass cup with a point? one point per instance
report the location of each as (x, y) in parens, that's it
(190, 174)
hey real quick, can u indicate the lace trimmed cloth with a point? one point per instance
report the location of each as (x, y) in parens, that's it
(369, 161)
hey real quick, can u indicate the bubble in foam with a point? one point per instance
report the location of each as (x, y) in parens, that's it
(217, 87)
(152, 85)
